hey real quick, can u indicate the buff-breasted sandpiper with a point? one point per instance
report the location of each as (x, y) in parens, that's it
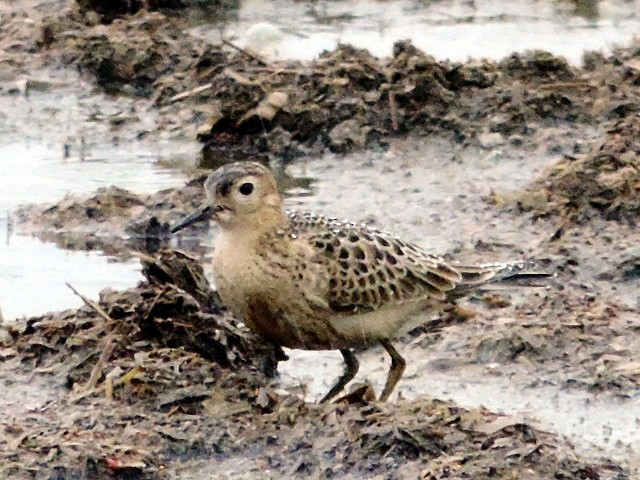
(311, 282)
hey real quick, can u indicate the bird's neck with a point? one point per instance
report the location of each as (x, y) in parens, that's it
(255, 227)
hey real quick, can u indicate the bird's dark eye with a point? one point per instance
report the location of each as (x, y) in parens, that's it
(246, 188)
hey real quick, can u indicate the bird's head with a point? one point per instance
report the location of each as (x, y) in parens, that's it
(239, 195)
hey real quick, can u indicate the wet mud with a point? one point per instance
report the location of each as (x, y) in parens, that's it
(160, 382)
(240, 105)
(157, 376)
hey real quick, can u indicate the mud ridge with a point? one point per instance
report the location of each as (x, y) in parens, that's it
(240, 105)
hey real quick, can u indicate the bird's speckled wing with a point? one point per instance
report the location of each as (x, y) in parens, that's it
(368, 268)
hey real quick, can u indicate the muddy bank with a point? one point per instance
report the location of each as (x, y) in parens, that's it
(240, 105)
(113, 219)
(155, 378)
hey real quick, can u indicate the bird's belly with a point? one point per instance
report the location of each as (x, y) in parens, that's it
(308, 333)
(270, 302)
(284, 324)
(383, 324)
(290, 327)
(337, 331)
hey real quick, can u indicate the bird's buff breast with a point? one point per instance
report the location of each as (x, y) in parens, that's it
(260, 291)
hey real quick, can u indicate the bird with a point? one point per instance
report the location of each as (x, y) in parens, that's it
(306, 281)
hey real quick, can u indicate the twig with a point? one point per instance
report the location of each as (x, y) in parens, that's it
(107, 350)
(86, 393)
(577, 84)
(153, 304)
(188, 93)
(251, 55)
(108, 383)
(92, 304)
(96, 372)
(393, 106)
(276, 70)
(241, 79)
(374, 67)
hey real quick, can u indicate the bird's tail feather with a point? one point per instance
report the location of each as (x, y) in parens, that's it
(525, 274)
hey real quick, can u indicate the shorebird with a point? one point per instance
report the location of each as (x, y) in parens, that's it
(307, 281)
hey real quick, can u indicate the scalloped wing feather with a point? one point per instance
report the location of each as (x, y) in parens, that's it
(369, 268)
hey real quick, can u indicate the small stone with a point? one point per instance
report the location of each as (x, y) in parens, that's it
(490, 140)
(347, 134)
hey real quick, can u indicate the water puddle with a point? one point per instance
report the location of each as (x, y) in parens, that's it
(451, 29)
(36, 173)
(54, 145)
(34, 275)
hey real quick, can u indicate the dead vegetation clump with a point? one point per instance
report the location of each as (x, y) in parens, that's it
(604, 182)
(112, 219)
(174, 309)
(127, 363)
(427, 439)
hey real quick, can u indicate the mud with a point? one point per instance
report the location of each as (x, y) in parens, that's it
(242, 105)
(605, 181)
(160, 382)
(152, 380)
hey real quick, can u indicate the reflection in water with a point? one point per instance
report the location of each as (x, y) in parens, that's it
(293, 186)
(215, 156)
(9, 228)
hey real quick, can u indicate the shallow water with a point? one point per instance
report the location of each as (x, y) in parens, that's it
(34, 275)
(36, 173)
(453, 29)
(52, 146)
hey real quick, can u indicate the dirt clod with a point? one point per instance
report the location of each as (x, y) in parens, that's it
(604, 182)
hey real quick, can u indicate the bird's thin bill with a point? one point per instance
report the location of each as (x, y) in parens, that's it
(200, 215)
